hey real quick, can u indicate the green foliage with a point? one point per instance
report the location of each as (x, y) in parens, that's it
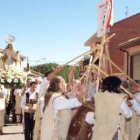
(34, 68)
(64, 72)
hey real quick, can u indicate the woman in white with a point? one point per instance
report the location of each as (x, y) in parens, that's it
(18, 109)
(57, 111)
(3, 93)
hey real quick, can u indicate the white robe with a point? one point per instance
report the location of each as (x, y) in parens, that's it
(57, 116)
(3, 93)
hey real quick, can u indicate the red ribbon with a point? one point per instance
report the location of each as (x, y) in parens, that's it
(108, 22)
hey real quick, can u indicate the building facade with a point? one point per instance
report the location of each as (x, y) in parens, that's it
(124, 30)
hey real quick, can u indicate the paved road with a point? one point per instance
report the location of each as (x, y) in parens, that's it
(12, 132)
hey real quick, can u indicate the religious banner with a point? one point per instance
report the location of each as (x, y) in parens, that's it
(104, 10)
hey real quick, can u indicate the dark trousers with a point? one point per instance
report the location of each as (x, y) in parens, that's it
(139, 137)
(8, 108)
(29, 125)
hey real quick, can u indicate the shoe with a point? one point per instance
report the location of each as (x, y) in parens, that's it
(1, 133)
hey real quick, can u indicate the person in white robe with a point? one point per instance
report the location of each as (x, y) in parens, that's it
(111, 110)
(38, 80)
(18, 109)
(46, 80)
(43, 89)
(56, 116)
(3, 93)
(133, 124)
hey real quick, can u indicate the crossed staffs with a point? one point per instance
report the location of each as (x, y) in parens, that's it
(92, 66)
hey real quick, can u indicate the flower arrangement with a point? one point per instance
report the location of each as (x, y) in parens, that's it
(12, 79)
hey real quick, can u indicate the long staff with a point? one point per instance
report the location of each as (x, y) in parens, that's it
(121, 71)
(101, 48)
(86, 53)
(90, 51)
(120, 86)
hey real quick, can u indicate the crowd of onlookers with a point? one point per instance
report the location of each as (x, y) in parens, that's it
(10, 99)
(50, 104)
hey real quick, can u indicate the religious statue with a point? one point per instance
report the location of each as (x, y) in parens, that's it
(11, 58)
(12, 74)
(1, 62)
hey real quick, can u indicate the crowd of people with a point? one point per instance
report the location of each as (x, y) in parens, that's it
(55, 110)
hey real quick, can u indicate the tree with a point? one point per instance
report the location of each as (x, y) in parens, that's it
(64, 72)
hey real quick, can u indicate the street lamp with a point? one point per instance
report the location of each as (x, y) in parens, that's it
(39, 60)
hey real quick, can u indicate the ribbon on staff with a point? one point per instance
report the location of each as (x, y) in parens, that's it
(110, 17)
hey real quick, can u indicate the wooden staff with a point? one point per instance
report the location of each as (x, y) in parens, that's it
(94, 70)
(100, 61)
(107, 75)
(79, 81)
(86, 80)
(89, 68)
(108, 55)
(107, 51)
(100, 57)
(94, 49)
(120, 86)
(103, 68)
(94, 60)
(79, 93)
(121, 71)
(109, 37)
(88, 52)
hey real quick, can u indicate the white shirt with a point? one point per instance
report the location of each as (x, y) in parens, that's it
(23, 101)
(3, 92)
(62, 103)
(38, 88)
(43, 86)
(17, 91)
(126, 110)
(91, 90)
(27, 90)
(135, 104)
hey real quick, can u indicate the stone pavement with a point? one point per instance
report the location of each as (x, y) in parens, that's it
(12, 132)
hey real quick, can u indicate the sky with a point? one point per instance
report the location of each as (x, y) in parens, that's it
(48, 31)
